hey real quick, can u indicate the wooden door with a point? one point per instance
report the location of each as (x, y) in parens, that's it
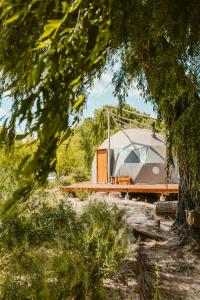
(102, 165)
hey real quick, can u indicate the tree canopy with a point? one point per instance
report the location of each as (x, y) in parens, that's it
(51, 51)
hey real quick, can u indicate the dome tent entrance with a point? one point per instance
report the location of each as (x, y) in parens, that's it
(136, 153)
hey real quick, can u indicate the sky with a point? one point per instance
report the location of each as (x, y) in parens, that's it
(102, 94)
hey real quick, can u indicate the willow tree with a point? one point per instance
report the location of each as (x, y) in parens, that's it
(159, 44)
(52, 50)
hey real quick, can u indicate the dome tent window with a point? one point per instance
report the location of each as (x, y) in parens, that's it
(132, 158)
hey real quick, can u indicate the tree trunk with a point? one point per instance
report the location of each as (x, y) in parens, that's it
(188, 203)
(182, 119)
(174, 90)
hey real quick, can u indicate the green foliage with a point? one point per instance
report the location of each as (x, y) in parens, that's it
(70, 158)
(66, 45)
(47, 71)
(156, 283)
(82, 194)
(160, 49)
(10, 176)
(51, 253)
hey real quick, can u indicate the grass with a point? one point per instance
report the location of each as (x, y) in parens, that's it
(82, 194)
(49, 252)
(156, 279)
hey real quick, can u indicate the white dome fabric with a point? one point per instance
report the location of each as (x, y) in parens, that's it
(138, 154)
(126, 137)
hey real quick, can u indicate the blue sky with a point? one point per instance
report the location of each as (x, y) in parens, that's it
(102, 94)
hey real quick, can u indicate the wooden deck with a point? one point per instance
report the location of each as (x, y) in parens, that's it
(131, 188)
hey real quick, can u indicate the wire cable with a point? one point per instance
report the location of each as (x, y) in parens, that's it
(134, 113)
(134, 121)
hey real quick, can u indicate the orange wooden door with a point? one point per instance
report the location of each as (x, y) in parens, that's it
(102, 165)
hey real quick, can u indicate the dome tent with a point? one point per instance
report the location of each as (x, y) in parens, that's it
(139, 154)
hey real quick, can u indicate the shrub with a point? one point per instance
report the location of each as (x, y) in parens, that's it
(80, 175)
(74, 176)
(51, 253)
(82, 194)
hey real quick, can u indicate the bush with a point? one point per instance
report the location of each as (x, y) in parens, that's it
(74, 176)
(82, 194)
(51, 253)
(80, 175)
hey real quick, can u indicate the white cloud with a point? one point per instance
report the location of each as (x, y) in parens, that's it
(134, 92)
(97, 89)
(107, 77)
(4, 113)
(102, 85)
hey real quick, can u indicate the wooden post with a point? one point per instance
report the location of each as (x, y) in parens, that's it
(108, 116)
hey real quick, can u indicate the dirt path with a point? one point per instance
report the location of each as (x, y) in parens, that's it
(178, 267)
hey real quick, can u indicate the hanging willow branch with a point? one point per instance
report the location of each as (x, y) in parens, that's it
(51, 51)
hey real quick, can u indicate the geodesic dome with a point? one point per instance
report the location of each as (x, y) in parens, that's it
(139, 154)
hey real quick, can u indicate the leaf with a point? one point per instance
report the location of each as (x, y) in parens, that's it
(55, 23)
(47, 31)
(6, 10)
(75, 5)
(43, 44)
(75, 81)
(9, 206)
(79, 102)
(23, 162)
(50, 27)
(67, 30)
(64, 6)
(35, 74)
(21, 136)
(12, 19)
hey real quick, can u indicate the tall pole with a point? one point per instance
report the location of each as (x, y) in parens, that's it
(108, 117)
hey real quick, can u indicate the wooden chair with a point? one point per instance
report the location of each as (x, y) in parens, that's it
(124, 180)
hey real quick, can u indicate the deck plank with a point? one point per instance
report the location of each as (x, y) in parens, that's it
(131, 188)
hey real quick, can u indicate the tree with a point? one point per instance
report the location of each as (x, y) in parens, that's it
(65, 45)
(47, 79)
(162, 50)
